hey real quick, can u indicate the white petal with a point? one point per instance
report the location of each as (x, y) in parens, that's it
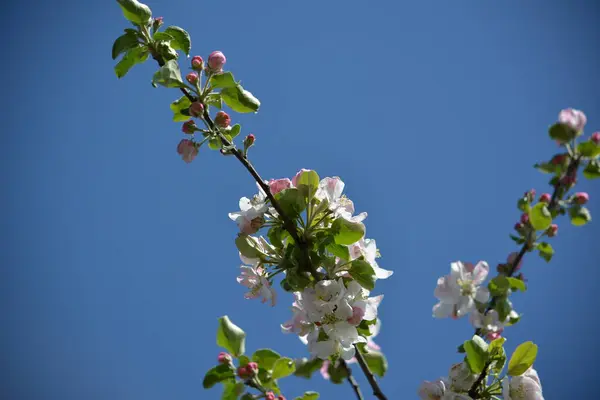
(443, 310)
(457, 270)
(348, 352)
(372, 304)
(381, 273)
(482, 295)
(446, 290)
(465, 305)
(480, 272)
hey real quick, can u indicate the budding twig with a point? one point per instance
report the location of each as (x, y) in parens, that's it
(370, 377)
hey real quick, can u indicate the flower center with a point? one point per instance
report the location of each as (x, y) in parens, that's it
(466, 287)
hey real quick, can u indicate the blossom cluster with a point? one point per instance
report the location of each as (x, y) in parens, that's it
(335, 312)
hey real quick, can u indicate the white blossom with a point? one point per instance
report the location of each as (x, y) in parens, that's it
(523, 387)
(330, 189)
(367, 248)
(251, 214)
(461, 378)
(458, 291)
(254, 278)
(439, 390)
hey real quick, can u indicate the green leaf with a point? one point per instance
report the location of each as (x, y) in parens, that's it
(214, 99)
(497, 354)
(347, 232)
(218, 374)
(136, 55)
(546, 251)
(546, 167)
(179, 108)
(223, 80)
(265, 358)
(517, 284)
(239, 99)
(247, 246)
(168, 75)
(283, 367)
(291, 201)
(181, 39)
(247, 396)
(588, 149)
(477, 353)
(592, 170)
(363, 273)
(232, 131)
(503, 307)
(499, 286)
(540, 217)
(164, 36)
(135, 11)
(562, 132)
(337, 373)
(522, 358)
(166, 51)
(376, 361)
(308, 183)
(305, 367)
(125, 42)
(517, 239)
(232, 390)
(339, 250)
(308, 396)
(231, 337)
(579, 215)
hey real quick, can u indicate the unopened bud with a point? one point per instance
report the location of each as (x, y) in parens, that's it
(187, 150)
(224, 358)
(196, 109)
(216, 60)
(524, 218)
(581, 198)
(519, 226)
(157, 23)
(252, 367)
(222, 119)
(545, 198)
(243, 372)
(596, 137)
(197, 63)
(552, 230)
(269, 396)
(192, 78)
(531, 194)
(249, 141)
(189, 127)
(573, 118)
(493, 336)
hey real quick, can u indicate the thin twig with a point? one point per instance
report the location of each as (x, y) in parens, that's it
(352, 381)
(370, 377)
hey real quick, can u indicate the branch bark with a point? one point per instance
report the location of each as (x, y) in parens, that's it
(352, 381)
(369, 375)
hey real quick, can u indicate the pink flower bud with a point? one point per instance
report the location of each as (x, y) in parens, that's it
(277, 185)
(187, 150)
(197, 63)
(158, 21)
(222, 119)
(357, 316)
(249, 140)
(553, 230)
(581, 198)
(189, 127)
(518, 226)
(295, 178)
(243, 372)
(252, 366)
(596, 137)
(224, 358)
(574, 118)
(192, 78)
(216, 60)
(545, 198)
(269, 396)
(524, 218)
(196, 109)
(493, 335)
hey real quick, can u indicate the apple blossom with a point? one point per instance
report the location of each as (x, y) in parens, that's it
(216, 60)
(189, 127)
(297, 176)
(251, 212)
(461, 378)
(367, 248)
(269, 396)
(574, 118)
(187, 150)
(277, 185)
(330, 189)
(439, 390)
(523, 387)
(255, 279)
(458, 291)
(197, 63)
(490, 323)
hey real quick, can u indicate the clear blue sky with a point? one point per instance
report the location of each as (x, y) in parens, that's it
(118, 257)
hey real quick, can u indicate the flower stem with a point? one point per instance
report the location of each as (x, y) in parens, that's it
(352, 381)
(369, 375)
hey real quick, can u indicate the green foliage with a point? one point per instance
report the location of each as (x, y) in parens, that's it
(231, 337)
(363, 273)
(292, 202)
(265, 358)
(545, 251)
(562, 132)
(168, 75)
(135, 11)
(125, 42)
(224, 80)
(497, 354)
(477, 353)
(503, 307)
(339, 250)
(165, 50)
(133, 56)
(239, 99)
(220, 373)
(337, 372)
(579, 215)
(283, 367)
(232, 390)
(499, 286)
(308, 183)
(588, 149)
(180, 109)
(308, 396)
(347, 232)
(181, 39)
(523, 357)
(516, 284)
(540, 217)
(376, 361)
(592, 170)
(305, 367)
(247, 245)
(214, 99)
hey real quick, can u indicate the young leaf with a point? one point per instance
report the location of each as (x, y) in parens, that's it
(363, 273)
(540, 217)
(477, 353)
(231, 337)
(579, 215)
(308, 396)
(239, 99)
(214, 99)
(562, 132)
(545, 250)
(181, 39)
(135, 11)
(223, 80)
(339, 250)
(517, 284)
(247, 246)
(164, 36)
(218, 374)
(588, 149)
(592, 170)
(347, 232)
(376, 361)
(136, 55)
(180, 106)
(308, 182)
(232, 390)
(265, 358)
(337, 373)
(499, 286)
(305, 367)
(283, 367)
(291, 201)
(523, 358)
(125, 42)
(497, 354)
(168, 75)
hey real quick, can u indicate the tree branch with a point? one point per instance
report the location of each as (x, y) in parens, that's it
(370, 377)
(352, 381)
